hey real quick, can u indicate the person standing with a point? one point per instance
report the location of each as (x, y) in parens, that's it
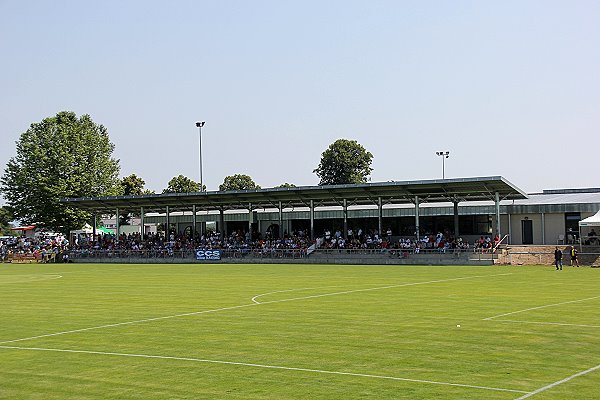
(574, 259)
(558, 258)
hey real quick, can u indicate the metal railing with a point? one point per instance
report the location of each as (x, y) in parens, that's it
(404, 253)
(186, 254)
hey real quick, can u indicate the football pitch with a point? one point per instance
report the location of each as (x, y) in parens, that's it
(217, 331)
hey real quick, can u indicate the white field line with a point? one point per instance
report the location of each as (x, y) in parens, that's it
(42, 277)
(129, 323)
(555, 384)
(319, 371)
(540, 307)
(547, 323)
(241, 306)
(281, 291)
(379, 288)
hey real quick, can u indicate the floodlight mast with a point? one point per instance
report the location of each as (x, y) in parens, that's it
(199, 125)
(444, 155)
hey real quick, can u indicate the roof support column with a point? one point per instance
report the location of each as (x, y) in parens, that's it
(456, 232)
(543, 228)
(280, 220)
(142, 227)
(345, 219)
(379, 215)
(117, 227)
(250, 220)
(221, 224)
(417, 233)
(312, 220)
(194, 224)
(94, 227)
(509, 229)
(168, 223)
(497, 201)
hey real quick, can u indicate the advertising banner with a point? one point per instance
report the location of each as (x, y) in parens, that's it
(206, 254)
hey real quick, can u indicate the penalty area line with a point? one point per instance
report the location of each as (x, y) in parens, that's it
(265, 366)
(540, 307)
(283, 291)
(555, 384)
(515, 321)
(380, 288)
(139, 321)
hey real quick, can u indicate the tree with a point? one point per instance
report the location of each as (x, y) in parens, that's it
(61, 156)
(344, 161)
(133, 185)
(6, 216)
(286, 185)
(238, 182)
(182, 184)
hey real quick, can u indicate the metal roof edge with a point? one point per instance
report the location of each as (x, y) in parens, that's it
(305, 188)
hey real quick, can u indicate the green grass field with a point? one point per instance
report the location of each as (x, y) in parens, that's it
(88, 331)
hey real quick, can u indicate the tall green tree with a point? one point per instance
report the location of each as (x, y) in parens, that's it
(6, 216)
(286, 185)
(133, 185)
(61, 156)
(344, 161)
(182, 184)
(238, 182)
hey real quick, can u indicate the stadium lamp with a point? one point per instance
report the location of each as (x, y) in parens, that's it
(199, 125)
(444, 155)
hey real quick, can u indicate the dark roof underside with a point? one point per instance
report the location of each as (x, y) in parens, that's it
(430, 191)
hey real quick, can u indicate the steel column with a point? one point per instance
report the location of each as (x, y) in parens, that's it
(509, 230)
(221, 224)
(497, 202)
(194, 223)
(168, 227)
(312, 220)
(94, 233)
(250, 220)
(345, 219)
(543, 228)
(456, 232)
(417, 233)
(117, 227)
(380, 216)
(280, 220)
(142, 230)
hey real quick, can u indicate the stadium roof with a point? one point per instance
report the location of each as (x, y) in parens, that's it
(393, 192)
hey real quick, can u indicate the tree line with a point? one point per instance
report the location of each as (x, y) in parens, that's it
(69, 156)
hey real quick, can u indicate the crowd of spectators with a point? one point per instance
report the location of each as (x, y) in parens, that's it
(358, 239)
(372, 240)
(237, 242)
(43, 248)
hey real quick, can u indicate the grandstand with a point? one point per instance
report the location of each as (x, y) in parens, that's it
(466, 210)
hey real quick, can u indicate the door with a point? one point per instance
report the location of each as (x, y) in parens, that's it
(527, 231)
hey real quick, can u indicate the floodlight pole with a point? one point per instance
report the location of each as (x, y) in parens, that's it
(199, 125)
(444, 155)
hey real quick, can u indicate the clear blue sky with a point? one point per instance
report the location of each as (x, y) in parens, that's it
(510, 88)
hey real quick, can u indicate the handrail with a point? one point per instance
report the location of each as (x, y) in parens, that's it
(500, 242)
(392, 252)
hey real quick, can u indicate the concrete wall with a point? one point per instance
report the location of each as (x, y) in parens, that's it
(544, 255)
(553, 225)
